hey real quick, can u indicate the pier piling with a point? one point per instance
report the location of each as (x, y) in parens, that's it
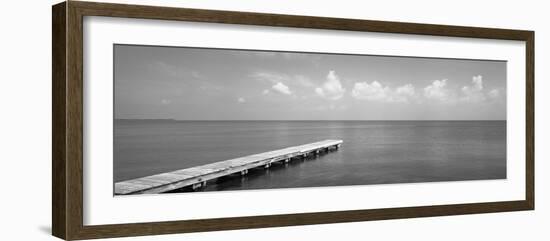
(197, 177)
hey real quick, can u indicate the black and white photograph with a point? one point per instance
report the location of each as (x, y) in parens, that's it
(243, 120)
(190, 119)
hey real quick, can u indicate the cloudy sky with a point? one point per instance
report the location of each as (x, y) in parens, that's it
(216, 84)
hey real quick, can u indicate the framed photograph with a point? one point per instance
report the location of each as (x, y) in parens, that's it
(171, 120)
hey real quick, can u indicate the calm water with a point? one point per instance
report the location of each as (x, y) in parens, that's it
(373, 152)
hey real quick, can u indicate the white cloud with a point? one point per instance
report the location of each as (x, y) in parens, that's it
(270, 77)
(437, 90)
(275, 78)
(165, 101)
(332, 89)
(176, 72)
(281, 81)
(494, 93)
(281, 88)
(241, 100)
(265, 92)
(404, 93)
(473, 92)
(406, 90)
(375, 91)
(197, 75)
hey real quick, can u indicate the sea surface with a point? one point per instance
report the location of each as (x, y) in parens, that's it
(373, 152)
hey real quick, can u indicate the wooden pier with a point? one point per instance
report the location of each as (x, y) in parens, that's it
(196, 177)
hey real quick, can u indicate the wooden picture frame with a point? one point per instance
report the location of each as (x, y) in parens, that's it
(67, 152)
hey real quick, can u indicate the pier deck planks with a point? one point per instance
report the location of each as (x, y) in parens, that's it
(197, 175)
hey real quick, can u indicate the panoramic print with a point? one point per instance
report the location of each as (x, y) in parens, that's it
(202, 119)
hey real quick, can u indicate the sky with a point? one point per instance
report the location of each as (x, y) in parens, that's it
(155, 82)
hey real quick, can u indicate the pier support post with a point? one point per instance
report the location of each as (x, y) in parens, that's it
(196, 186)
(197, 178)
